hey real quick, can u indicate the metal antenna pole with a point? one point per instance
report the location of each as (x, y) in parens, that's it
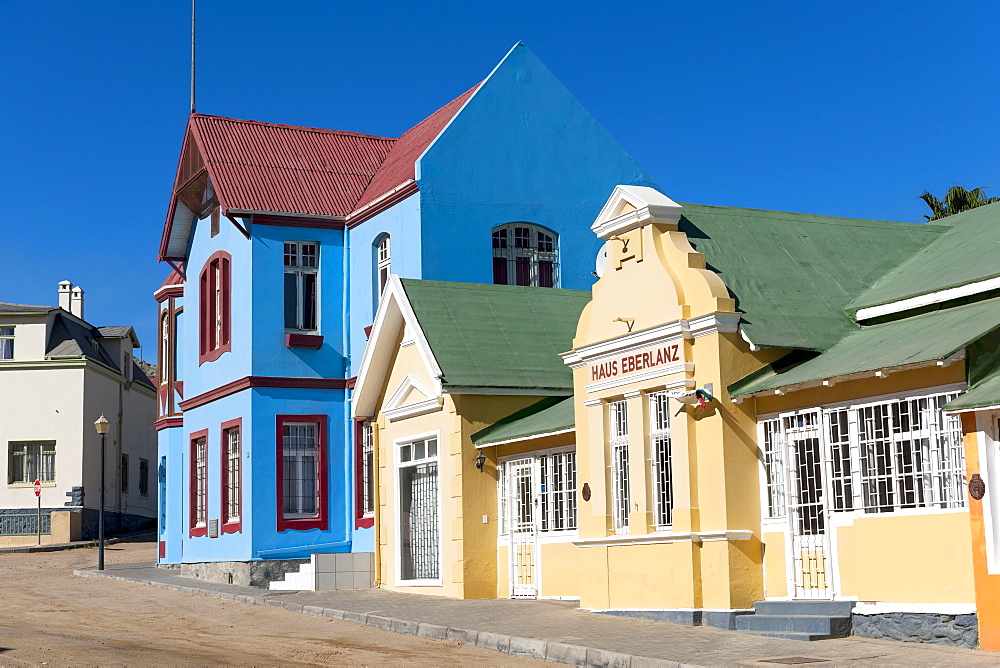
(193, 12)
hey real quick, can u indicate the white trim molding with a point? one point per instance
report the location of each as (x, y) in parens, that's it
(667, 537)
(686, 383)
(645, 205)
(927, 299)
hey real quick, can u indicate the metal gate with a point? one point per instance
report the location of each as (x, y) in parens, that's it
(522, 521)
(810, 543)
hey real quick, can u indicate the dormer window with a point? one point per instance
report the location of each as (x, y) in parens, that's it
(525, 254)
(6, 343)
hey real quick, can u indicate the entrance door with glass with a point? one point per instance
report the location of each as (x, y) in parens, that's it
(810, 541)
(522, 522)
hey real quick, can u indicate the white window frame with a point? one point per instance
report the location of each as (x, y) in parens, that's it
(539, 455)
(618, 428)
(661, 460)
(299, 514)
(201, 482)
(4, 337)
(398, 465)
(234, 473)
(37, 450)
(510, 251)
(383, 261)
(300, 269)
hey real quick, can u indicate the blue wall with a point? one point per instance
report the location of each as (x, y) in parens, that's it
(522, 149)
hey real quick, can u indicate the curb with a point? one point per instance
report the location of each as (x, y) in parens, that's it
(56, 547)
(529, 648)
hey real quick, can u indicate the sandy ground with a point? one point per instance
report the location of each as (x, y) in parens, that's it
(48, 616)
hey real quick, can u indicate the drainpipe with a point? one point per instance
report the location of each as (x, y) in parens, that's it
(376, 438)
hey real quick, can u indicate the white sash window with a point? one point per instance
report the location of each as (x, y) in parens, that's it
(618, 432)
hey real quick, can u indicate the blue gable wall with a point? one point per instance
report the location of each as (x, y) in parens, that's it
(522, 149)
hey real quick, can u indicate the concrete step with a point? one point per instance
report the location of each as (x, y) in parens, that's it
(799, 607)
(789, 635)
(814, 624)
(304, 580)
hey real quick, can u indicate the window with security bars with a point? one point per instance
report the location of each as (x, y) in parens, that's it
(525, 254)
(774, 467)
(199, 482)
(31, 461)
(300, 468)
(232, 482)
(301, 285)
(419, 528)
(659, 445)
(557, 491)
(880, 457)
(367, 470)
(618, 433)
(6, 343)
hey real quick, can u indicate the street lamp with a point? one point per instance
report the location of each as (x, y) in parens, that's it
(101, 425)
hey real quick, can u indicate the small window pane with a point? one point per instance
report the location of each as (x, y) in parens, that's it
(419, 450)
(309, 301)
(404, 453)
(291, 301)
(432, 447)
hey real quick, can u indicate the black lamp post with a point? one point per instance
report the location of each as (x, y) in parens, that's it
(101, 425)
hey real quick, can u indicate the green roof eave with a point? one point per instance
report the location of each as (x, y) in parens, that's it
(984, 394)
(549, 416)
(921, 338)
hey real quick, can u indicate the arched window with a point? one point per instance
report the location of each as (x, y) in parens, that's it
(384, 263)
(525, 254)
(215, 287)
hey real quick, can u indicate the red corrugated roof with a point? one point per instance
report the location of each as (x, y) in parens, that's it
(282, 168)
(174, 278)
(398, 166)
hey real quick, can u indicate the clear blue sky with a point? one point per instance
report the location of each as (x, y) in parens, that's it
(846, 108)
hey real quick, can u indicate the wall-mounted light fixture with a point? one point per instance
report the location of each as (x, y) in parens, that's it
(629, 322)
(480, 459)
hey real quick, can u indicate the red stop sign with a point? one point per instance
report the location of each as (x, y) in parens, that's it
(38, 488)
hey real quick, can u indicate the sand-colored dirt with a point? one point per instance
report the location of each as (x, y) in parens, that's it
(48, 616)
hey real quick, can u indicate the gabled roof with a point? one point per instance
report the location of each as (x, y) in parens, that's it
(793, 274)
(173, 278)
(9, 307)
(967, 252)
(120, 332)
(399, 165)
(921, 338)
(498, 336)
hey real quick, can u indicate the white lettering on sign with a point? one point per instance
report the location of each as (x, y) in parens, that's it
(648, 359)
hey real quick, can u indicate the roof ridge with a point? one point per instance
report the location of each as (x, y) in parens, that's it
(29, 305)
(286, 126)
(775, 213)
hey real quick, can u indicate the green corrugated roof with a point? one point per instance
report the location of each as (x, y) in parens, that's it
(968, 251)
(498, 336)
(548, 415)
(793, 274)
(920, 338)
(984, 393)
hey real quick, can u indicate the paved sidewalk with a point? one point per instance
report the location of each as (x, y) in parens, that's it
(558, 630)
(55, 547)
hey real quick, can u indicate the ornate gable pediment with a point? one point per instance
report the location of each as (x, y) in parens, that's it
(630, 207)
(411, 398)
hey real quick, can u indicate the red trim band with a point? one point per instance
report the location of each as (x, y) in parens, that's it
(356, 219)
(293, 221)
(312, 341)
(168, 422)
(266, 381)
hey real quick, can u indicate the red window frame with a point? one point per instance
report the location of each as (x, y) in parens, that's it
(360, 521)
(227, 525)
(193, 529)
(219, 264)
(301, 523)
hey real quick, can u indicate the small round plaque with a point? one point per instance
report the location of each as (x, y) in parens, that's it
(586, 491)
(977, 488)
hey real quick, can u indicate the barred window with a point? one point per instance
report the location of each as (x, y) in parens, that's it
(419, 528)
(367, 470)
(774, 467)
(31, 461)
(558, 491)
(232, 482)
(525, 254)
(841, 480)
(200, 482)
(618, 432)
(660, 449)
(300, 466)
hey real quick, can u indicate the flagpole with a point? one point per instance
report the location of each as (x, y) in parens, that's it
(193, 12)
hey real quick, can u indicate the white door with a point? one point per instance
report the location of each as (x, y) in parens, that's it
(522, 521)
(807, 512)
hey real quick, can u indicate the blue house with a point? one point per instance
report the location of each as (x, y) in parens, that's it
(281, 239)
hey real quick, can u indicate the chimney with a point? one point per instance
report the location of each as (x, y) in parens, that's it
(76, 302)
(64, 288)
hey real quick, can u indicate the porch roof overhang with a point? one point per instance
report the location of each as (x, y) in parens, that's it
(550, 416)
(935, 337)
(984, 395)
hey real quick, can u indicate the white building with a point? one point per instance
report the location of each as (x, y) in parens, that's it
(58, 374)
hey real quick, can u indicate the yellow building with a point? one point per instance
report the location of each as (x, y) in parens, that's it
(445, 361)
(818, 464)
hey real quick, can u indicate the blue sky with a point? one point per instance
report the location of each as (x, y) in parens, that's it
(847, 108)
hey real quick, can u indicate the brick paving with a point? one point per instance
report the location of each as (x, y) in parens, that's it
(559, 630)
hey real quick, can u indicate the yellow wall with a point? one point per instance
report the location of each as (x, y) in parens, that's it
(775, 564)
